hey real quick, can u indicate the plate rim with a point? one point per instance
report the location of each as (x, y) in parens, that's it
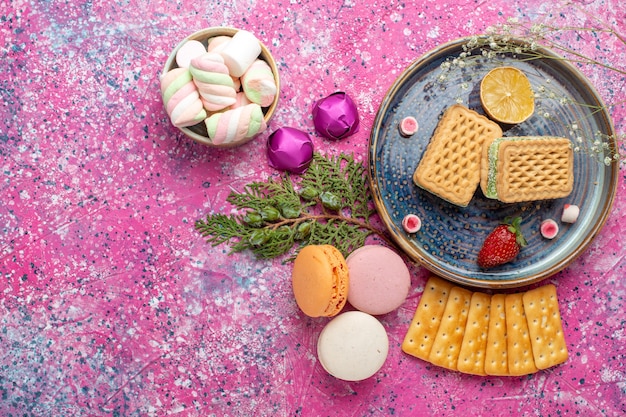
(435, 268)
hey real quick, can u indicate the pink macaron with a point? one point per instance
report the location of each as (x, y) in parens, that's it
(379, 279)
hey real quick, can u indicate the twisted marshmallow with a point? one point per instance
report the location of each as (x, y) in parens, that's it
(181, 98)
(215, 85)
(235, 124)
(259, 84)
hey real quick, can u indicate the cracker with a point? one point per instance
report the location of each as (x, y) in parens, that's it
(541, 306)
(447, 344)
(527, 168)
(421, 333)
(496, 360)
(473, 348)
(519, 348)
(450, 166)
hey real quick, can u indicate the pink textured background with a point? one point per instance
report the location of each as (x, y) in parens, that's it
(112, 305)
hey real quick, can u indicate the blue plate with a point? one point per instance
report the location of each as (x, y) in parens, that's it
(451, 236)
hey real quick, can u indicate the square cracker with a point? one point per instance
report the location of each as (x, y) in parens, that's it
(519, 348)
(447, 344)
(421, 333)
(496, 361)
(541, 306)
(473, 349)
(450, 166)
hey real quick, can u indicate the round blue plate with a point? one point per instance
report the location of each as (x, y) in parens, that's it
(451, 236)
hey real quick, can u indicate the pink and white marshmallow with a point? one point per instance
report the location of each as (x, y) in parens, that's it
(188, 51)
(217, 43)
(259, 84)
(235, 125)
(181, 98)
(214, 83)
(570, 213)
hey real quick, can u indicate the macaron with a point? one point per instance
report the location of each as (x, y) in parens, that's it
(320, 280)
(353, 346)
(379, 279)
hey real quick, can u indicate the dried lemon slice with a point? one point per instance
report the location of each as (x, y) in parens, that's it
(506, 95)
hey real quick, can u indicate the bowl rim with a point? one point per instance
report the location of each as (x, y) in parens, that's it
(203, 35)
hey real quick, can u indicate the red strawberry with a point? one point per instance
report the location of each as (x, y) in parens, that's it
(502, 245)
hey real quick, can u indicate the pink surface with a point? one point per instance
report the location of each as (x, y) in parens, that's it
(112, 305)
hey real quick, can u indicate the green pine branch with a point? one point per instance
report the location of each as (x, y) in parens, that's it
(330, 204)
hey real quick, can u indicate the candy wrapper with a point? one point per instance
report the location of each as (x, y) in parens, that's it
(290, 149)
(336, 116)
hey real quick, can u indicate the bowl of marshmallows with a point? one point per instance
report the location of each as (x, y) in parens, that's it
(220, 86)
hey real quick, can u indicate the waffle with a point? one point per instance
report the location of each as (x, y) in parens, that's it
(527, 168)
(450, 166)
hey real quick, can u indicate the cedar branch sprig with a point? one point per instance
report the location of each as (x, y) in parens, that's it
(330, 204)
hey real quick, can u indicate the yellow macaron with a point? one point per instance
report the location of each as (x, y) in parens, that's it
(320, 280)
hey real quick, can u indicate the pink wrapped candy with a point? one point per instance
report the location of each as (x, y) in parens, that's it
(290, 149)
(549, 229)
(411, 223)
(336, 116)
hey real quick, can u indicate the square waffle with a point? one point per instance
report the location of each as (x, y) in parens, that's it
(527, 168)
(450, 166)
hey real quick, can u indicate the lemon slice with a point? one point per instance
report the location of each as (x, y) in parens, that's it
(506, 95)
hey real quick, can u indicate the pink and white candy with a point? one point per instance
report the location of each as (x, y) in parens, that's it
(236, 124)
(549, 229)
(181, 98)
(408, 126)
(259, 84)
(189, 50)
(217, 43)
(411, 223)
(570, 213)
(214, 83)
